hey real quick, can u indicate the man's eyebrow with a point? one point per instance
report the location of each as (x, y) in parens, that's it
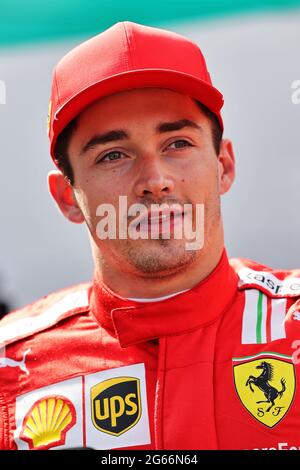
(120, 134)
(176, 126)
(99, 139)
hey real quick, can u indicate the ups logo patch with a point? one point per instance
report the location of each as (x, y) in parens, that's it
(116, 405)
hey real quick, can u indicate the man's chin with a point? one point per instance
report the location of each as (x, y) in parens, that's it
(163, 259)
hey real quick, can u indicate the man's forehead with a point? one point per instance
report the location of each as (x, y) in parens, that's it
(108, 120)
(136, 96)
(161, 104)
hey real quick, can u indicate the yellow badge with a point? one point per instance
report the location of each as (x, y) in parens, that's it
(116, 405)
(265, 385)
(47, 422)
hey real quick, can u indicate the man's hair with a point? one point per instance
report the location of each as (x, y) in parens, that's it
(62, 144)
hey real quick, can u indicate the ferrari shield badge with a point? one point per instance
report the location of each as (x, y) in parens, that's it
(265, 385)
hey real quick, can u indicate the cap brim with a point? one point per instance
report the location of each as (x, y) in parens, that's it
(156, 78)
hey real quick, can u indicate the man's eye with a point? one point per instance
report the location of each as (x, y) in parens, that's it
(180, 144)
(111, 156)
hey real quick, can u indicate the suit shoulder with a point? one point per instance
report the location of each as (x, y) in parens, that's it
(44, 313)
(272, 301)
(277, 283)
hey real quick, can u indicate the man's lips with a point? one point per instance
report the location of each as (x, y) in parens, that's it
(157, 217)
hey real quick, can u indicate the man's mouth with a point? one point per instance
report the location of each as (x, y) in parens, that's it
(158, 221)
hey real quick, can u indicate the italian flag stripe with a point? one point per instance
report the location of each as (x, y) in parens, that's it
(269, 316)
(263, 318)
(259, 318)
(265, 353)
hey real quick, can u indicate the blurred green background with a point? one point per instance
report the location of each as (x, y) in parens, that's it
(35, 20)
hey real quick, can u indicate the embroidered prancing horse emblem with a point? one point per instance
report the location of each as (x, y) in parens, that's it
(262, 382)
(267, 395)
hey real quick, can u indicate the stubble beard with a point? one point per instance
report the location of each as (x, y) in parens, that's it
(160, 257)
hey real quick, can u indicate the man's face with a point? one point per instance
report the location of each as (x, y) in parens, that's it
(150, 163)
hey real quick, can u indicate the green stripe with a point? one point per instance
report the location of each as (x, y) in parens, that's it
(32, 20)
(266, 353)
(259, 318)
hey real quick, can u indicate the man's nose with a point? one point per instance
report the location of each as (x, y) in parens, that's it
(154, 179)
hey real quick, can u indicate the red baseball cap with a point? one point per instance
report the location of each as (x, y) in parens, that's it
(124, 57)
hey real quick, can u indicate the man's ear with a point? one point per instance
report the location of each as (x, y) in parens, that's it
(63, 194)
(226, 164)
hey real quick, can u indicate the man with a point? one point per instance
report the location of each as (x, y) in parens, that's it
(171, 346)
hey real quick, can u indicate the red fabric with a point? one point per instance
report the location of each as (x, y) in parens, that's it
(186, 343)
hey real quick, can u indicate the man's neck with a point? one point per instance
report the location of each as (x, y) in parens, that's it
(133, 285)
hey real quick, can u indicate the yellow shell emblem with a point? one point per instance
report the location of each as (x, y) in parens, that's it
(47, 422)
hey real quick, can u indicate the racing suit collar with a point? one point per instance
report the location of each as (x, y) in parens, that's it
(134, 322)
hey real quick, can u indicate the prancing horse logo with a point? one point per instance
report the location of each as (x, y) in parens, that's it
(267, 395)
(262, 382)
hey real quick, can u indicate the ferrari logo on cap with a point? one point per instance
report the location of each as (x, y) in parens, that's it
(47, 422)
(116, 405)
(266, 386)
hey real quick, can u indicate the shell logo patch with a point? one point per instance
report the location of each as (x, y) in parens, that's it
(47, 422)
(116, 405)
(265, 386)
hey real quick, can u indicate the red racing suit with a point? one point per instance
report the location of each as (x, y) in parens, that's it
(215, 367)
